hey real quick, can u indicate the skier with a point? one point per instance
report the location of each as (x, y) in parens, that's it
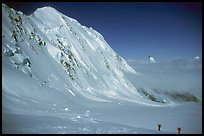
(159, 126)
(179, 130)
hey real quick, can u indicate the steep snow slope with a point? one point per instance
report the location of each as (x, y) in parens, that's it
(50, 52)
(61, 77)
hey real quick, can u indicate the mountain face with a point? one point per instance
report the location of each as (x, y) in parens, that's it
(50, 58)
(61, 77)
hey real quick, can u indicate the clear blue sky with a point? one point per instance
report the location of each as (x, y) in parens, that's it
(135, 29)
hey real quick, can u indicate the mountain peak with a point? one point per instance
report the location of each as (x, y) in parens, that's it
(46, 9)
(54, 51)
(4, 5)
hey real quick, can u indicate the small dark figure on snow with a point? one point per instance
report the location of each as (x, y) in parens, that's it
(159, 126)
(179, 130)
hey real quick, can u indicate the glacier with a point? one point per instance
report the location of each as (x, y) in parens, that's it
(59, 76)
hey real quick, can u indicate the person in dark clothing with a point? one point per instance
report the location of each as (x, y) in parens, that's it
(159, 126)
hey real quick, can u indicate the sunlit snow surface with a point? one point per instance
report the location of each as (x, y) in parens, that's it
(109, 118)
(61, 77)
(47, 124)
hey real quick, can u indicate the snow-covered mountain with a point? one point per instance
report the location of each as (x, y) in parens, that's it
(48, 56)
(61, 77)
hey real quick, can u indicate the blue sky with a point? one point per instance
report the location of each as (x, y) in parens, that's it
(136, 30)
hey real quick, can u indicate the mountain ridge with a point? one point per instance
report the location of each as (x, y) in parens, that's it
(81, 61)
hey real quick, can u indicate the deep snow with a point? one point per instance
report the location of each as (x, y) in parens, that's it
(61, 77)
